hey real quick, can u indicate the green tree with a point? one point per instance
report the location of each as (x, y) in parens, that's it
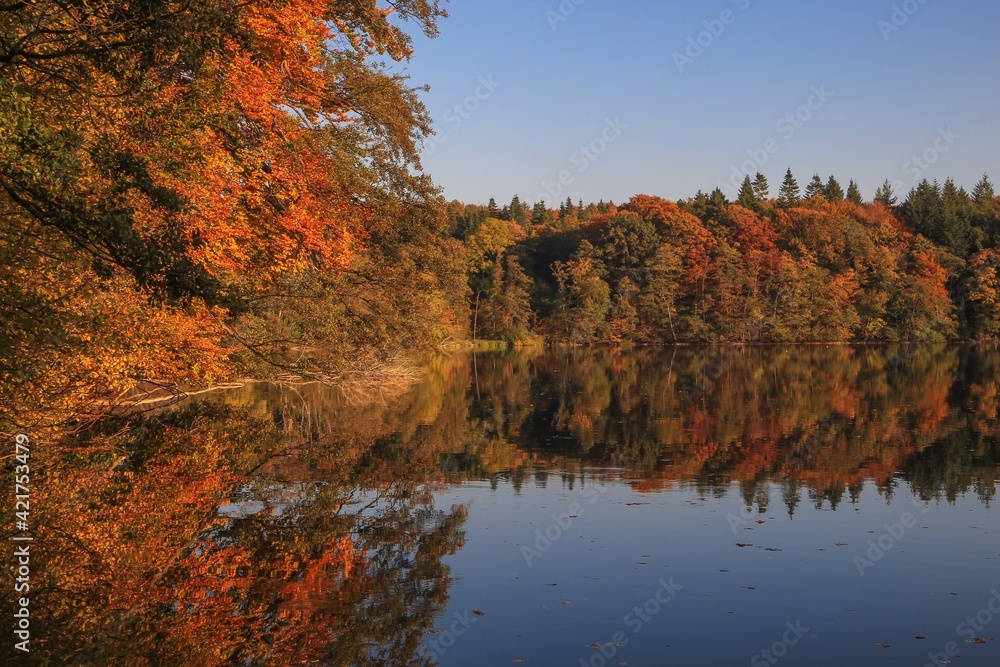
(832, 190)
(986, 213)
(539, 213)
(661, 300)
(854, 193)
(983, 194)
(584, 298)
(788, 195)
(816, 188)
(505, 313)
(760, 188)
(748, 196)
(628, 241)
(885, 195)
(718, 199)
(517, 212)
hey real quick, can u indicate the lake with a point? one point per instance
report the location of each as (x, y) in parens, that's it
(800, 505)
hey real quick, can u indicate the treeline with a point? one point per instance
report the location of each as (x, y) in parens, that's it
(812, 266)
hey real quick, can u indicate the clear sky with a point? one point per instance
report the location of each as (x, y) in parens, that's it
(519, 87)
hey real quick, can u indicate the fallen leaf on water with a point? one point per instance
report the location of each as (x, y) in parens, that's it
(881, 645)
(919, 637)
(564, 602)
(741, 545)
(761, 521)
(478, 613)
(980, 640)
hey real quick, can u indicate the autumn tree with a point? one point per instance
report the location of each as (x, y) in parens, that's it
(173, 158)
(584, 296)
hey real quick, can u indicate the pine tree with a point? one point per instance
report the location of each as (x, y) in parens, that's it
(854, 193)
(788, 195)
(760, 188)
(718, 198)
(747, 197)
(832, 190)
(923, 212)
(517, 213)
(540, 213)
(566, 209)
(885, 195)
(956, 208)
(815, 187)
(983, 194)
(986, 216)
(492, 208)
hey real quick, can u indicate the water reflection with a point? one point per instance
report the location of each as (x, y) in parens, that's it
(279, 526)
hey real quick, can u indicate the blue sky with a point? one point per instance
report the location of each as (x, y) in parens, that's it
(519, 87)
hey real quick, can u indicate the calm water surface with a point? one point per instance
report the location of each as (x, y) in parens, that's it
(758, 506)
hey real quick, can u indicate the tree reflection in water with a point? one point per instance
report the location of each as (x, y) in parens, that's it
(277, 526)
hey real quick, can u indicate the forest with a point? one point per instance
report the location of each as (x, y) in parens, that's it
(819, 265)
(192, 193)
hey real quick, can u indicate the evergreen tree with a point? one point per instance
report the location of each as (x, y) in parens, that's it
(815, 187)
(493, 209)
(540, 213)
(760, 188)
(747, 197)
(885, 195)
(832, 190)
(788, 195)
(566, 209)
(854, 193)
(718, 198)
(922, 211)
(697, 205)
(956, 218)
(517, 213)
(986, 214)
(983, 194)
